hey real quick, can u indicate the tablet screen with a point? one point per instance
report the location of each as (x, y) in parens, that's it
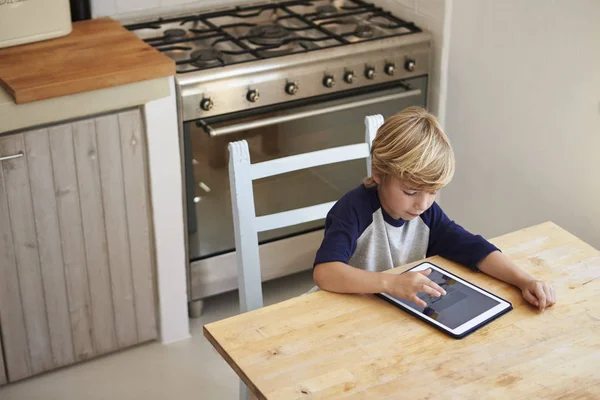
(459, 305)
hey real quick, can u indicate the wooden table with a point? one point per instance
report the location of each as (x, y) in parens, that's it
(333, 346)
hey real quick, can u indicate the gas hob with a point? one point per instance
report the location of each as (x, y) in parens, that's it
(242, 58)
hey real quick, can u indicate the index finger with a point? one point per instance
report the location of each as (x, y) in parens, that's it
(434, 285)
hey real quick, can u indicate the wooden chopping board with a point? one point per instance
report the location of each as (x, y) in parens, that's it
(99, 53)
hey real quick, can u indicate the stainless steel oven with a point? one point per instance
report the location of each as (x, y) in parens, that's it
(289, 77)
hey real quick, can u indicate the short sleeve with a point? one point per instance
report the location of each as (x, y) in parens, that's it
(452, 241)
(344, 224)
(341, 234)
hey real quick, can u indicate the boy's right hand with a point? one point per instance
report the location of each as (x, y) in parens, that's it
(408, 284)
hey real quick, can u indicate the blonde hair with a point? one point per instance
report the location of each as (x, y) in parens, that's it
(412, 146)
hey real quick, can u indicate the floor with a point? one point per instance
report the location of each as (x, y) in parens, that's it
(190, 369)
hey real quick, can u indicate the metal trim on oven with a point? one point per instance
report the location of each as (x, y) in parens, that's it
(304, 114)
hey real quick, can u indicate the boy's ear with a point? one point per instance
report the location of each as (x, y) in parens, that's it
(375, 175)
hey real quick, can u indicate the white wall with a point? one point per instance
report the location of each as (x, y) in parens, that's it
(523, 114)
(433, 16)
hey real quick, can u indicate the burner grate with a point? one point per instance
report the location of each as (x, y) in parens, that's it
(242, 34)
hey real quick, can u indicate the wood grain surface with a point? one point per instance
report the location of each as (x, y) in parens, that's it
(47, 222)
(334, 346)
(99, 53)
(26, 253)
(68, 206)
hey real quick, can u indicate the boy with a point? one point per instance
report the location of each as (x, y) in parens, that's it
(392, 219)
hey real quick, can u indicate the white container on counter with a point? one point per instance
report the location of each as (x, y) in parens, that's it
(26, 21)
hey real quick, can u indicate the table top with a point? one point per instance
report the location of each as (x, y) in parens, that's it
(326, 345)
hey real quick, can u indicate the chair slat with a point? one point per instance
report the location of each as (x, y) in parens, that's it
(246, 240)
(372, 124)
(308, 160)
(293, 217)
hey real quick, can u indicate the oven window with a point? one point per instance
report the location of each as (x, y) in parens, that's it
(213, 233)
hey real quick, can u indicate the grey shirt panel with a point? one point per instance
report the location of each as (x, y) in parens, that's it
(383, 246)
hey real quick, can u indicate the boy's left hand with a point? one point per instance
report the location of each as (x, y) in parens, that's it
(540, 294)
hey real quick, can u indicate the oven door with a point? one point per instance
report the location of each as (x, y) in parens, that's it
(306, 127)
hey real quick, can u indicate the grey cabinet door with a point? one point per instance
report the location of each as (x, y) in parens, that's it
(2, 370)
(76, 245)
(25, 328)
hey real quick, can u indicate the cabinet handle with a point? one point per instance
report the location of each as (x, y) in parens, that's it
(19, 154)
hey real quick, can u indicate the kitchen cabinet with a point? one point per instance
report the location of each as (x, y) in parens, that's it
(77, 275)
(2, 370)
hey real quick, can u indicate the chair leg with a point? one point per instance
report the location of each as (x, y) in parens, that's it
(244, 393)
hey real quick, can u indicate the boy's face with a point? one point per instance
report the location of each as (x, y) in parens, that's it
(399, 200)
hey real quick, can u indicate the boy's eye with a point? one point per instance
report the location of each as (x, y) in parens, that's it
(409, 193)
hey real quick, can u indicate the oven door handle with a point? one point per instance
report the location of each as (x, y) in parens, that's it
(226, 130)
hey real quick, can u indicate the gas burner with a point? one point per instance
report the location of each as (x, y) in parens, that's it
(364, 31)
(175, 33)
(280, 50)
(268, 35)
(206, 58)
(327, 10)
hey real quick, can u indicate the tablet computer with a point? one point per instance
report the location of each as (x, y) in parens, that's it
(462, 310)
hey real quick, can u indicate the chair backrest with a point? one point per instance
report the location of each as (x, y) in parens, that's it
(247, 224)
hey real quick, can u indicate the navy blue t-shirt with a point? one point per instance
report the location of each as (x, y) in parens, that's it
(359, 232)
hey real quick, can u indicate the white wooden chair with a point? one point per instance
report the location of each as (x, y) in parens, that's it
(247, 224)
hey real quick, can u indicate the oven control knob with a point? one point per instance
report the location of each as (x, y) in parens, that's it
(291, 88)
(410, 65)
(252, 95)
(349, 77)
(390, 68)
(370, 72)
(206, 104)
(328, 81)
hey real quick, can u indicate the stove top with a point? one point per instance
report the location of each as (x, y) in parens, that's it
(242, 34)
(279, 54)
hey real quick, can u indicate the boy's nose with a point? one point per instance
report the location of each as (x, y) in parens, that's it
(422, 204)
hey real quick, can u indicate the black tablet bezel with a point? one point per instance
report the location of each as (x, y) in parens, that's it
(438, 327)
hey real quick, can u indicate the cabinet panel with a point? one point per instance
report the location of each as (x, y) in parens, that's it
(2, 370)
(39, 163)
(25, 247)
(137, 197)
(14, 335)
(94, 233)
(113, 198)
(77, 262)
(71, 234)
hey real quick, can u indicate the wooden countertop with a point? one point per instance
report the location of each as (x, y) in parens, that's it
(98, 54)
(333, 346)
